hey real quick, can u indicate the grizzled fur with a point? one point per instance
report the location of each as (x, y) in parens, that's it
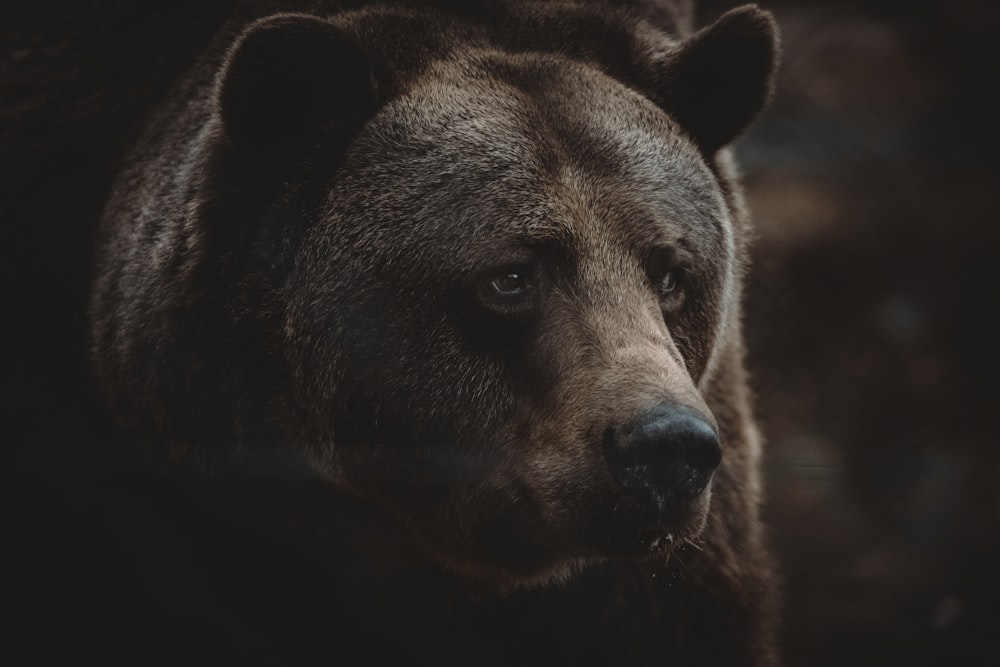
(293, 289)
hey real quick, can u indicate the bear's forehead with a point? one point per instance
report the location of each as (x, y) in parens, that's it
(532, 148)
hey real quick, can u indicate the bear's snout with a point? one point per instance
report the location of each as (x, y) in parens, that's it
(665, 455)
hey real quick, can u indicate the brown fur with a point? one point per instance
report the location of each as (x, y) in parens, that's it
(294, 282)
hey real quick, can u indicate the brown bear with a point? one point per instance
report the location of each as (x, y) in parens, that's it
(453, 290)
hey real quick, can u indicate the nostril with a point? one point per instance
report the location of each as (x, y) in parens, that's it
(700, 444)
(668, 452)
(707, 457)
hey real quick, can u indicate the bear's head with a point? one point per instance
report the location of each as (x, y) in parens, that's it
(512, 264)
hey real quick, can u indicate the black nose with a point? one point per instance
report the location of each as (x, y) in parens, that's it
(664, 455)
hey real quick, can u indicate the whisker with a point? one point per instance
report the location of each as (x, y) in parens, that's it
(694, 544)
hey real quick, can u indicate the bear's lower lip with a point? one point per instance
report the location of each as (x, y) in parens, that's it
(646, 545)
(658, 545)
(634, 532)
(656, 548)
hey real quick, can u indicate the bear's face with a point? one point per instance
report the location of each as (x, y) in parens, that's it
(521, 256)
(523, 270)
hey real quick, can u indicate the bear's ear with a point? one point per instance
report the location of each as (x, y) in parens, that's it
(717, 81)
(289, 75)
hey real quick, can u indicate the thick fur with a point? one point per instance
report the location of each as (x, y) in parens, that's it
(293, 291)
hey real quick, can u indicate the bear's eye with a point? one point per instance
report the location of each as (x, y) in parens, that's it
(511, 291)
(669, 283)
(670, 289)
(510, 283)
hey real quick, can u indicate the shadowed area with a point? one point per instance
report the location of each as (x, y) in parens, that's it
(870, 323)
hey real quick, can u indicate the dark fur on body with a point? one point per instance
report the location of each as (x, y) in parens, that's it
(288, 301)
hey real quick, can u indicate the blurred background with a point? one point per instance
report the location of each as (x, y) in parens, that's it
(872, 328)
(871, 324)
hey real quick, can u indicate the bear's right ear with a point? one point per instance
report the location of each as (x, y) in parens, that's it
(289, 75)
(719, 79)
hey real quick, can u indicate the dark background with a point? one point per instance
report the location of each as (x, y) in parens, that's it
(871, 324)
(872, 329)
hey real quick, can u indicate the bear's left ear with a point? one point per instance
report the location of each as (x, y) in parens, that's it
(289, 75)
(717, 81)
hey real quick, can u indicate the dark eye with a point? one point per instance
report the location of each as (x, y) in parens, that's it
(511, 291)
(670, 289)
(511, 283)
(669, 283)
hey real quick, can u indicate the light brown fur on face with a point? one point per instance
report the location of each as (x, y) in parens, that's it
(591, 213)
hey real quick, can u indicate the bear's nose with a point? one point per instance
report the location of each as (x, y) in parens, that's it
(666, 454)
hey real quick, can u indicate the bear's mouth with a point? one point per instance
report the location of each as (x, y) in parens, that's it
(643, 534)
(656, 546)
(660, 546)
